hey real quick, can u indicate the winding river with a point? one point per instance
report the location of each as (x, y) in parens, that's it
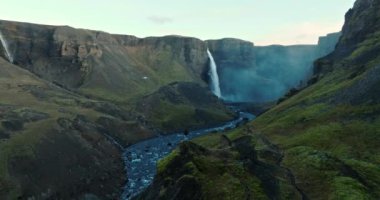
(141, 158)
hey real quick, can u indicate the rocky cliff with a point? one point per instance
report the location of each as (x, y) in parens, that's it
(121, 67)
(103, 65)
(325, 137)
(362, 23)
(326, 44)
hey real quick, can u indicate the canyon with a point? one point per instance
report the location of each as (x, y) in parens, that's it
(72, 100)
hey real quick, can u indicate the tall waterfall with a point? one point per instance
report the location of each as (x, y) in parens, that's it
(213, 73)
(6, 48)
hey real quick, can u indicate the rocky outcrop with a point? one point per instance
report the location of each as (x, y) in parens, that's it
(359, 43)
(326, 44)
(230, 52)
(227, 169)
(362, 22)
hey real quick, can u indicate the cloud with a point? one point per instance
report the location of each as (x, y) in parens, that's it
(160, 19)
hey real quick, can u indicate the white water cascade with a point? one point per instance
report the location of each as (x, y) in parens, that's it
(6, 48)
(213, 73)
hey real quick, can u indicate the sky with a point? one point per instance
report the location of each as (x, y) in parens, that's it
(263, 22)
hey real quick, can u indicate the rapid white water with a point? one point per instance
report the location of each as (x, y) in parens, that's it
(213, 73)
(6, 48)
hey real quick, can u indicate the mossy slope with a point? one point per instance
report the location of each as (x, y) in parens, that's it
(182, 106)
(327, 135)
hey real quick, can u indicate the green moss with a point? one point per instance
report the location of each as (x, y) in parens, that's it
(235, 133)
(367, 45)
(159, 65)
(219, 115)
(369, 172)
(20, 145)
(168, 115)
(348, 188)
(222, 180)
(297, 115)
(163, 163)
(209, 141)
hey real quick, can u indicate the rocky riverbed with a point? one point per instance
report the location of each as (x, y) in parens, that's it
(141, 158)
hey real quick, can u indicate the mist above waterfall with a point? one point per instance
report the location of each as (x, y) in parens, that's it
(275, 70)
(248, 86)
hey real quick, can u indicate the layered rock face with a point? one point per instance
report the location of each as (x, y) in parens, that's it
(104, 65)
(231, 57)
(232, 52)
(122, 67)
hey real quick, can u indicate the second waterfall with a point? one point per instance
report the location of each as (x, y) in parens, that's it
(213, 73)
(6, 48)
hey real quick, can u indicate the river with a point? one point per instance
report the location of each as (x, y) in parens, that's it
(141, 158)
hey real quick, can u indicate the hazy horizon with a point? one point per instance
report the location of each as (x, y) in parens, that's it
(289, 22)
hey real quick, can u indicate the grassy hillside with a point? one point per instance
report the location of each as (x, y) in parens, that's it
(325, 139)
(50, 143)
(182, 106)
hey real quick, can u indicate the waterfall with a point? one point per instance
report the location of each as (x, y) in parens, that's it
(213, 73)
(6, 48)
